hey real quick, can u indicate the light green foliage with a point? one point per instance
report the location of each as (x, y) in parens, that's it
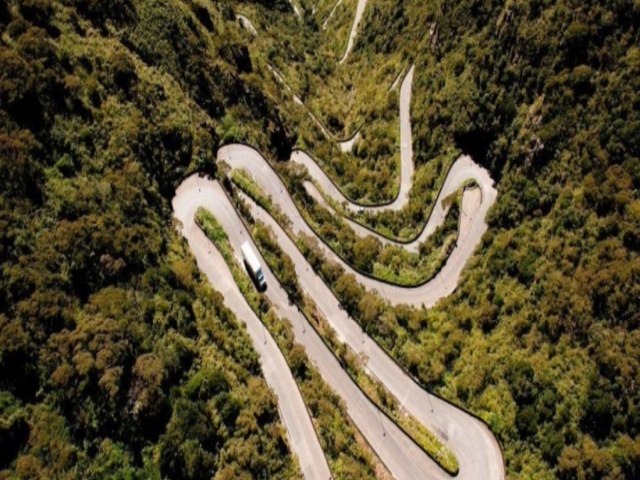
(371, 306)
(391, 263)
(545, 95)
(214, 231)
(368, 255)
(245, 183)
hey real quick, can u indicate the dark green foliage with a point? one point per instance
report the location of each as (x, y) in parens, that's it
(38, 12)
(185, 449)
(116, 359)
(207, 67)
(346, 456)
(106, 106)
(101, 13)
(202, 14)
(14, 429)
(19, 173)
(206, 384)
(123, 71)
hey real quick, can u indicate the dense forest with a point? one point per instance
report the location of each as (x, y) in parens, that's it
(118, 360)
(541, 338)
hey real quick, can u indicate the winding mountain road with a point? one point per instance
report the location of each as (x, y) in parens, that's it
(406, 159)
(347, 145)
(324, 24)
(475, 204)
(478, 453)
(246, 24)
(476, 449)
(191, 194)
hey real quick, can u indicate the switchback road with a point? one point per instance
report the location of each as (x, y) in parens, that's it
(478, 453)
(404, 459)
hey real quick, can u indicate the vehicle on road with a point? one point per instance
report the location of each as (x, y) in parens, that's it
(253, 266)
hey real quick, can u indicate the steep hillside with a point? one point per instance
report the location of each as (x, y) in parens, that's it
(116, 359)
(541, 338)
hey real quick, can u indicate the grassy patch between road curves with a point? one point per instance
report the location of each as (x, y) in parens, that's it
(407, 223)
(283, 268)
(247, 184)
(371, 302)
(346, 451)
(368, 255)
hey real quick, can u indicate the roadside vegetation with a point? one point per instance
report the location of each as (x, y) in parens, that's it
(404, 225)
(368, 255)
(346, 451)
(540, 337)
(245, 182)
(117, 360)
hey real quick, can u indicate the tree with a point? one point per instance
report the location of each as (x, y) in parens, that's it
(350, 292)
(365, 251)
(123, 70)
(146, 392)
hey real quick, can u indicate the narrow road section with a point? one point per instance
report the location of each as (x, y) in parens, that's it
(475, 204)
(247, 25)
(324, 24)
(354, 29)
(474, 445)
(478, 453)
(407, 167)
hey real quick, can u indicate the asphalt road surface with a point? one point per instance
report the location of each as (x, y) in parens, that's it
(475, 204)
(403, 458)
(406, 159)
(471, 441)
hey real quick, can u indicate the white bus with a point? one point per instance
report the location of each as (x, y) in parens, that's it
(253, 265)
